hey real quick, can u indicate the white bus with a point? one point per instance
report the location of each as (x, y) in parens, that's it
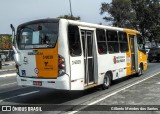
(72, 55)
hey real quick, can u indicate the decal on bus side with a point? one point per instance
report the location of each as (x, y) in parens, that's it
(118, 59)
(76, 62)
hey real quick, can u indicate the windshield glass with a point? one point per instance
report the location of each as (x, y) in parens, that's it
(41, 35)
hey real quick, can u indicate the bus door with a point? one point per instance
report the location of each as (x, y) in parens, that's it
(87, 41)
(133, 53)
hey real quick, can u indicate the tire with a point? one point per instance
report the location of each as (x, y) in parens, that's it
(140, 71)
(106, 81)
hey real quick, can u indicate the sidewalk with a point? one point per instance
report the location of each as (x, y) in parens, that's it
(8, 66)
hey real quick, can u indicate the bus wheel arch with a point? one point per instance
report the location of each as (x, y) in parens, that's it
(107, 80)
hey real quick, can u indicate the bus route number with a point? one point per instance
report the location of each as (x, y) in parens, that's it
(76, 62)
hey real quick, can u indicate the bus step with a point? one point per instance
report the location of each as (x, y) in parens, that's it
(90, 86)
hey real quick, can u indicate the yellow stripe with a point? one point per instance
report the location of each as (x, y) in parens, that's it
(128, 69)
(90, 86)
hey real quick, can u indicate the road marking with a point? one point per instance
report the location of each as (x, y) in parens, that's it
(8, 84)
(24, 94)
(158, 83)
(92, 103)
(7, 75)
(12, 90)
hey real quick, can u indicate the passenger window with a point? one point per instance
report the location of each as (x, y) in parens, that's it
(74, 40)
(123, 41)
(101, 41)
(112, 40)
(140, 41)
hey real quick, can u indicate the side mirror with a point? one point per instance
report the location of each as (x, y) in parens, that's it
(13, 32)
(13, 38)
(12, 27)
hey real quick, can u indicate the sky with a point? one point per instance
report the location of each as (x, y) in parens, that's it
(19, 11)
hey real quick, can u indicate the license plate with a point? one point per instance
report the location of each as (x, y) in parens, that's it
(37, 83)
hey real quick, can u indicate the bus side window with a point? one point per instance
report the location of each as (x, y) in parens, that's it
(140, 42)
(112, 40)
(101, 41)
(74, 40)
(123, 41)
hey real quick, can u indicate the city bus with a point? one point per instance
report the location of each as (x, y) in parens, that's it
(73, 55)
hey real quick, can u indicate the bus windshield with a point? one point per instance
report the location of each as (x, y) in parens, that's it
(41, 35)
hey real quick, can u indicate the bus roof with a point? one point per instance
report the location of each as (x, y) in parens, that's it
(86, 24)
(80, 23)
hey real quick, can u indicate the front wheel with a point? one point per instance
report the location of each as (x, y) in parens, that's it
(140, 71)
(107, 81)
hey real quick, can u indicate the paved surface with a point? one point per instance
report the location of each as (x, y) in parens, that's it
(8, 67)
(144, 93)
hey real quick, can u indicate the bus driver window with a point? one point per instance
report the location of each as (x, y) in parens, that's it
(45, 40)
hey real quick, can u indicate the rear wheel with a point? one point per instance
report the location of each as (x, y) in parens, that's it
(107, 81)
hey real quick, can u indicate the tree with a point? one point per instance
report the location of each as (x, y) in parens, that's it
(70, 17)
(143, 15)
(121, 13)
(5, 42)
(148, 17)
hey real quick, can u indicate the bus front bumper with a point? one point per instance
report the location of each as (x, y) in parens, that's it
(59, 83)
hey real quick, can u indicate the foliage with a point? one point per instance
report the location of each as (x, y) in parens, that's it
(5, 41)
(70, 17)
(148, 17)
(143, 15)
(121, 12)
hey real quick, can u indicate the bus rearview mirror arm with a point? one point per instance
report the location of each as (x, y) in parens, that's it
(16, 55)
(13, 37)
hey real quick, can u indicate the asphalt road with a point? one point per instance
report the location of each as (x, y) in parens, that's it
(11, 94)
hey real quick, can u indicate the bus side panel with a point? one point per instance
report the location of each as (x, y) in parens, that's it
(63, 49)
(116, 63)
(27, 66)
(77, 73)
(142, 58)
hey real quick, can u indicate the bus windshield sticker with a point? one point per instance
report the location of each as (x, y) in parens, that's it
(23, 73)
(35, 39)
